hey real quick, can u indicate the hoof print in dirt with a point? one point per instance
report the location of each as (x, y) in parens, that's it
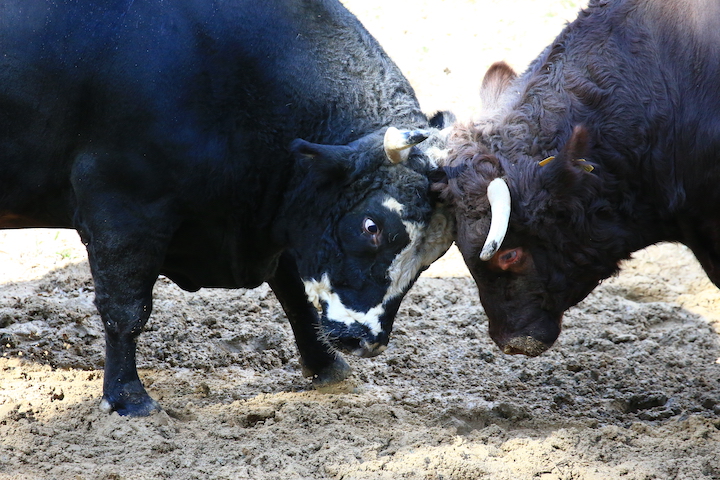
(512, 412)
(651, 406)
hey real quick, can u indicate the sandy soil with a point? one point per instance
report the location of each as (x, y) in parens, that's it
(630, 391)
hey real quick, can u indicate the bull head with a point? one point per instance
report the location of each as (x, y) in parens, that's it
(525, 275)
(382, 228)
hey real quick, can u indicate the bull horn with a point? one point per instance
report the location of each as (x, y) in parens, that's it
(498, 195)
(397, 143)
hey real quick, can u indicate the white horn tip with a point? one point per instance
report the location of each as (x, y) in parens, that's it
(397, 143)
(488, 251)
(393, 138)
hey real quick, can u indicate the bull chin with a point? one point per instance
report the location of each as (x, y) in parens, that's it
(524, 346)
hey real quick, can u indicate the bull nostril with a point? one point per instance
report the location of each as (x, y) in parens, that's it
(358, 346)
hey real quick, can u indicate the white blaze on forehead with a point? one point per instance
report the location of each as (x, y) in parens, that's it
(393, 205)
(437, 155)
(322, 292)
(424, 248)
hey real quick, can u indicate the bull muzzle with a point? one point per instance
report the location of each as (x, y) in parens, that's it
(354, 339)
(531, 338)
(361, 348)
(524, 346)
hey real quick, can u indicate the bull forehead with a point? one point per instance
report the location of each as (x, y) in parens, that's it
(410, 260)
(427, 244)
(393, 205)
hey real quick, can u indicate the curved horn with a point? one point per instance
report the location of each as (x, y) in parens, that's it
(397, 143)
(499, 196)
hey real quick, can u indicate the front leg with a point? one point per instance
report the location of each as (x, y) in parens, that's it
(126, 229)
(124, 271)
(318, 359)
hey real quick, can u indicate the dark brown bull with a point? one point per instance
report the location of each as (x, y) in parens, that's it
(608, 143)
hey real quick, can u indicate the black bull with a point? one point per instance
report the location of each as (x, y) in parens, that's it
(168, 134)
(608, 143)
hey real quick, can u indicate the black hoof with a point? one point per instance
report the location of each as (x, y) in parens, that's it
(127, 407)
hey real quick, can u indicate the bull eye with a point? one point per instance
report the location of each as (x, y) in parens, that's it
(509, 257)
(370, 227)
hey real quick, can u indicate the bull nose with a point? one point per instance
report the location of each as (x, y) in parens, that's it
(524, 346)
(362, 347)
(359, 347)
(373, 350)
(529, 334)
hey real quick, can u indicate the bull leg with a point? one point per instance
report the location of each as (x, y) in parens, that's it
(124, 270)
(126, 231)
(125, 251)
(318, 359)
(124, 276)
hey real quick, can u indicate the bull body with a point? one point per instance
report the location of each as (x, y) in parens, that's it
(608, 143)
(168, 134)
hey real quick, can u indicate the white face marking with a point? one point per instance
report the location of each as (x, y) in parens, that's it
(423, 249)
(322, 292)
(393, 205)
(420, 252)
(437, 155)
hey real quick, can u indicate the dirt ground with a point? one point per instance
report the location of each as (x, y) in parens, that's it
(630, 391)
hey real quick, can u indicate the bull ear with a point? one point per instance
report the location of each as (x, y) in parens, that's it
(496, 80)
(566, 172)
(333, 162)
(577, 146)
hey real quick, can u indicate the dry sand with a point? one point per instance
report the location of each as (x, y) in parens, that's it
(630, 391)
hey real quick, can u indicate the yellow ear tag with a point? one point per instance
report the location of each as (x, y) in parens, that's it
(587, 168)
(542, 163)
